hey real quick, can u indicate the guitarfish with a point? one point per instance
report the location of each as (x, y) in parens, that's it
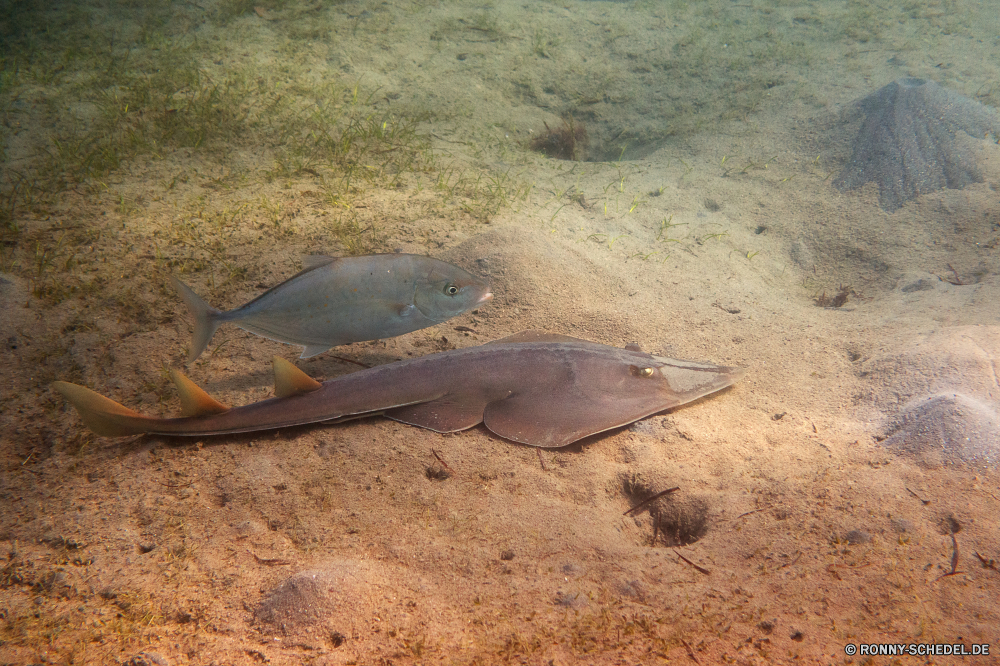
(534, 388)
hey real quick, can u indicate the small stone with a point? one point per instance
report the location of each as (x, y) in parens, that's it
(857, 537)
(146, 658)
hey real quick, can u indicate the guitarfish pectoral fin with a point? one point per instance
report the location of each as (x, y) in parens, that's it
(289, 380)
(553, 418)
(104, 416)
(194, 400)
(549, 421)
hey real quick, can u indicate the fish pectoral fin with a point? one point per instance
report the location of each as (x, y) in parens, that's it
(449, 413)
(194, 400)
(289, 380)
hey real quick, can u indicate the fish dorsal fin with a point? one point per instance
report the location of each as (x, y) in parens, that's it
(289, 380)
(537, 336)
(311, 261)
(194, 401)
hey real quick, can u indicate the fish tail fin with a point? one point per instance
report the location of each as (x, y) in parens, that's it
(206, 318)
(103, 415)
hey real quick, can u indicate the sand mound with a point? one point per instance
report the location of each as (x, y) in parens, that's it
(947, 429)
(335, 597)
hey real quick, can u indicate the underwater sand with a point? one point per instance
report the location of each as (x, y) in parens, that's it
(795, 529)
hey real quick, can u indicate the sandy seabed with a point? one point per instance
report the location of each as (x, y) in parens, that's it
(844, 492)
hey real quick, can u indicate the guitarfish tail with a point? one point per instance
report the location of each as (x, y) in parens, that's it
(103, 415)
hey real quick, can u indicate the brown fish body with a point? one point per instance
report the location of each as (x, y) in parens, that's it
(533, 388)
(368, 391)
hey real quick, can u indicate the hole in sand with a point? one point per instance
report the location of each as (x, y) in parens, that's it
(674, 520)
(682, 522)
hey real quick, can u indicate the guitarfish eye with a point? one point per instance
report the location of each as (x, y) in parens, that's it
(640, 372)
(451, 290)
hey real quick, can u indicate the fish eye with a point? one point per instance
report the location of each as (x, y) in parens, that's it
(640, 372)
(451, 290)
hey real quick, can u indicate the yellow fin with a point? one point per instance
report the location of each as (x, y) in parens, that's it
(289, 380)
(102, 415)
(194, 401)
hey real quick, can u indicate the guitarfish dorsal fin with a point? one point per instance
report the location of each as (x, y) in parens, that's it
(194, 401)
(289, 380)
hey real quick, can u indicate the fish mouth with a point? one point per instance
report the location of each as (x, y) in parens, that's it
(485, 297)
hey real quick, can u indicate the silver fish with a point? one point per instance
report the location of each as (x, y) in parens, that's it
(336, 301)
